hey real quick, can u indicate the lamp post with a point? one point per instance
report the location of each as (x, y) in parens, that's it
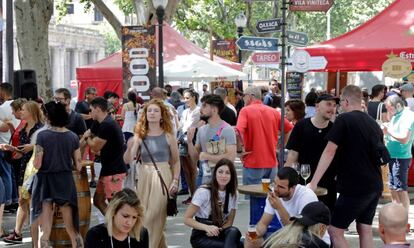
(160, 5)
(241, 21)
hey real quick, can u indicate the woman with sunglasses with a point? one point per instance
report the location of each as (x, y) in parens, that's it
(214, 208)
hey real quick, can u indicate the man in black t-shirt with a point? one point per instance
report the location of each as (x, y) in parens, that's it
(227, 115)
(109, 141)
(83, 107)
(359, 180)
(308, 140)
(76, 122)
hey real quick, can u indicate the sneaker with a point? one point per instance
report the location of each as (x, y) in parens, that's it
(92, 184)
(188, 201)
(183, 192)
(14, 238)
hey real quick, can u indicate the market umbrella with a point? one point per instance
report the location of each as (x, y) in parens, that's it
(196, 68)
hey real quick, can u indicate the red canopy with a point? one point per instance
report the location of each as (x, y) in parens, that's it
(366, 47)
(106, 74)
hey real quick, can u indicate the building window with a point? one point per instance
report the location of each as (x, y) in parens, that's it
(98, 17)
(70, 8)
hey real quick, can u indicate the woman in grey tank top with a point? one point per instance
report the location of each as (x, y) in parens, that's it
(156, 130)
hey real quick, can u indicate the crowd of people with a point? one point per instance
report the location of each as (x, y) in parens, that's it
(186, 142)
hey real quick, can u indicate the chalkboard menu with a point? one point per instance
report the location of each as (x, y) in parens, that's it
(294, 83)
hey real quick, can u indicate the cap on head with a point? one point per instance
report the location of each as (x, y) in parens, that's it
(313, 213)
(327, 97)
(407, 87)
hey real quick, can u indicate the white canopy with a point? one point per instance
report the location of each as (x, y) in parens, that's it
(196, 68)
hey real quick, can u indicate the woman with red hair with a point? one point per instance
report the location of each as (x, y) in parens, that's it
(154, 142)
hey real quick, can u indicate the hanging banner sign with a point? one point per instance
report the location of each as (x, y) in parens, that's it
(226, 49)
(311, 5)
(138, 58)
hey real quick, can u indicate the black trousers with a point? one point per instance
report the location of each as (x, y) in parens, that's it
(228, 238)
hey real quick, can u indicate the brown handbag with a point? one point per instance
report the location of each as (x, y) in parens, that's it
(171, 201)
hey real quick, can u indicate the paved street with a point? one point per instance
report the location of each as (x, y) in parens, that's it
(178, 235)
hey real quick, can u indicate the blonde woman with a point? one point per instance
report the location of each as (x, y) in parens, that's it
(33, 117)
(305, 230)
(156, 130)
(123, 224)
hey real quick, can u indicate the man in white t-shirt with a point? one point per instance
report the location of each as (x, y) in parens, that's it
(287, 199)
(7, 125)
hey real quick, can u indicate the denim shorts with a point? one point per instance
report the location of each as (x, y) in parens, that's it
(254, 176)
(2, 192)
(398, 177)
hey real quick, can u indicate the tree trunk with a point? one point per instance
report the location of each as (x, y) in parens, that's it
(32, 24)
(109, 16)
(141, 12)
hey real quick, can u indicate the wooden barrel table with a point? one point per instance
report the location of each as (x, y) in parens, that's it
(386, 193)
(59, 236)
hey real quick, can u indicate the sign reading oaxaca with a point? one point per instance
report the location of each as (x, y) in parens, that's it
(311, 5)
(268, 26)
(257, 43)
(138, 58)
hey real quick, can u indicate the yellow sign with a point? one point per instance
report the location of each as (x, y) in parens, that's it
(396, 67)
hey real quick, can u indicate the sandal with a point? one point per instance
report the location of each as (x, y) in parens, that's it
(13, 238)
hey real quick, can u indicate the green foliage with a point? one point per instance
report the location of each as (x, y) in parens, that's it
(126, 6)
(205, 15)
(113, 44)
(196, 17)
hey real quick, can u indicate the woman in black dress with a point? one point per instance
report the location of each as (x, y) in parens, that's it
(56, 148)
(123, 224)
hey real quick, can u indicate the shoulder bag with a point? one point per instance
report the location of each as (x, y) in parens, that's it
(171, 201)
(379, 113)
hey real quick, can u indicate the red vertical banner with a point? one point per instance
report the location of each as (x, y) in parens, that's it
(226, 49)
(138, 58)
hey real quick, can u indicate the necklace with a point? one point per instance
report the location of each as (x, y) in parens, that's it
(129, 242)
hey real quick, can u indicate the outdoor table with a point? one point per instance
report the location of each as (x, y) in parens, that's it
(258, 202)
(257, 190)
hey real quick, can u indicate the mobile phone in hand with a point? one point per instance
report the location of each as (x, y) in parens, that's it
(270, 189)
(18, 149)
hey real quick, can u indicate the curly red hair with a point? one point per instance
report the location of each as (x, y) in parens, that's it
(141, 129)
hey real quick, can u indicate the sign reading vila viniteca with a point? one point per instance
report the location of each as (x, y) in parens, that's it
(311, 5)
(138, 58)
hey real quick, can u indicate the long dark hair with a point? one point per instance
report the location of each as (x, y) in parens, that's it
(231, 187)
(132, 97)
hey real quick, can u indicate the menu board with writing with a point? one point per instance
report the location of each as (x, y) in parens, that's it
(294, 84)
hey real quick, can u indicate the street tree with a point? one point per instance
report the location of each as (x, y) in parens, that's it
(32, 23)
